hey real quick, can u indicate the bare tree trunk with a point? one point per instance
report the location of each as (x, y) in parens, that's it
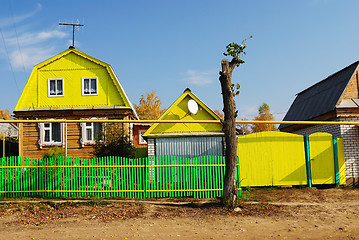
(229, 196)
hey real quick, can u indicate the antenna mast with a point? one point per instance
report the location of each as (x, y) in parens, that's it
(73, 30)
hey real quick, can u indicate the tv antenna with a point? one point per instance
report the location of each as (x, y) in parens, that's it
(74, 25)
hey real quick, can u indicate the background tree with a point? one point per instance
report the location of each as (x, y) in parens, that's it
(5, 114)
(229, 90)
(264, 114)
(244, 127)
(149, 107)
(219, 113)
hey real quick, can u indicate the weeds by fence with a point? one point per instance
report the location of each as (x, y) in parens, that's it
(161, 176)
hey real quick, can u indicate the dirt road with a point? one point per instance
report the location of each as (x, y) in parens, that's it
(264, 214)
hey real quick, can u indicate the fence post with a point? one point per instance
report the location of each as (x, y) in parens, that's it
(307, 160)
(144, 177)
(3, 145)
(336, 165)
(239, 192)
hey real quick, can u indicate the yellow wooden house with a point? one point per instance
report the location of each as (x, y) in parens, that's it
(71, 85)
(186, 139)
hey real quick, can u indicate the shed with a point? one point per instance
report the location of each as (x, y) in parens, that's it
(186, 139)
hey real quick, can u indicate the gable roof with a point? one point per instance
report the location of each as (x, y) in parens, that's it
(24, 105)
(179, 111)
(320, 98)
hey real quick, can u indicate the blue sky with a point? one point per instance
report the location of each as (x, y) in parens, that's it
(170, 45)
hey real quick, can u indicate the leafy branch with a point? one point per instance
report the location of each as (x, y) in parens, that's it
(235, 50)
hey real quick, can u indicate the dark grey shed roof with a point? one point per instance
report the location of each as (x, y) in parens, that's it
(320, 98)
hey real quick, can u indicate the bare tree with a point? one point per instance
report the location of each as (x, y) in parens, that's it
(229, 90)
(244, 128)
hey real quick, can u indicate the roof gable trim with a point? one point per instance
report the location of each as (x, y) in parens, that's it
(186, 93)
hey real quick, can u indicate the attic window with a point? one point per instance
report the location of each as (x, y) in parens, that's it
(89, 86)
(56, 87)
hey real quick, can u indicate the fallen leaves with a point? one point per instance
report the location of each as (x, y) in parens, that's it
(44, 212)
(255, 202)
(38, 213)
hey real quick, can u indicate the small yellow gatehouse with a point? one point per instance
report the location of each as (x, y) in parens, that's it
(186, 139)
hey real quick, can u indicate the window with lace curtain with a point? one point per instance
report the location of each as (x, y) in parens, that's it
(56, 87)
(89, 86)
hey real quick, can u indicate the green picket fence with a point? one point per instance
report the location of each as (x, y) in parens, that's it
(151, 177)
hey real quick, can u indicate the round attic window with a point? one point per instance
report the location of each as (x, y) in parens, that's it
(192, 106)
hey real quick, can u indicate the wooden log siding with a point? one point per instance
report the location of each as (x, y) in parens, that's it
(31, 137)
(74, 146)
(30, 132)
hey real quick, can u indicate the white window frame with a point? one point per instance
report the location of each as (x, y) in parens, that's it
(43, 128)
(48, 87)
(141, 140)
(83, 86)
(93, 134)
(84, 127)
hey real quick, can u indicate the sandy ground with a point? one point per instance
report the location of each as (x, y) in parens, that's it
(263, 214)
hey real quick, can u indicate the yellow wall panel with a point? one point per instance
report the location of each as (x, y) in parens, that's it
(341, 162)
(322, 158)
(272, 158)
(277, 158)
(73, 89)
(254, 167)
(70, 61)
